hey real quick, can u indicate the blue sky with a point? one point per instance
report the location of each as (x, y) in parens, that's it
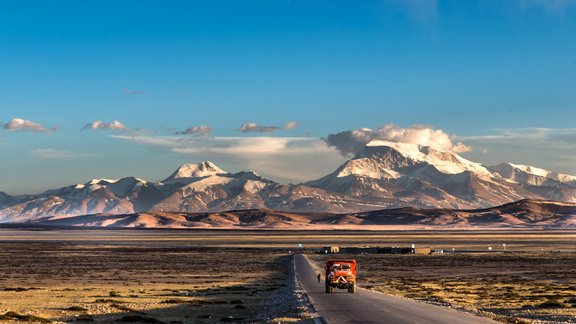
(496, 75)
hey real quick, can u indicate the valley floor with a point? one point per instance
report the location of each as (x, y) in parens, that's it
(97, 282)
(190, 276)
(511, 287)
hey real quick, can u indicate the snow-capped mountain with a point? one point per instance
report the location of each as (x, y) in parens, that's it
(525, 174)
(524, 214)
(198, 187)
(402, 174)
(383, 175)
(541, 182)
(192, 171)
(213, 189)
(125, 195)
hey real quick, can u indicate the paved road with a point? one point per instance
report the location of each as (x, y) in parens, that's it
(368, 307)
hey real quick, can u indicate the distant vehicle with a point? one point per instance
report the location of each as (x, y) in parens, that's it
(341, 274)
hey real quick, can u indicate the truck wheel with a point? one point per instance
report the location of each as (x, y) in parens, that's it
(352, 289)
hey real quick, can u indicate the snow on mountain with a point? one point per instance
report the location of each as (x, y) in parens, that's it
(245, 190)
(524, 214)
(126, 195)
(527, 174)
(545, 184)
(204, 187)
(125, 186)
(198, 187)
(120, 187)
(384, 175)
(444, 161)
(401, 174)
(199, 170)
(390, 160)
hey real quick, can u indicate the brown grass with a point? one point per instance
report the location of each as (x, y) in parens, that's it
(203, 276)
(111, 283)
(509, 287)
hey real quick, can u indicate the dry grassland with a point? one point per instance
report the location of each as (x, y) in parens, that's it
(69, 282)
(207, 276)
(511, 287)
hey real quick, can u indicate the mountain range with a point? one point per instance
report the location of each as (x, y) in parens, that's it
(523, 214)
(385, 175)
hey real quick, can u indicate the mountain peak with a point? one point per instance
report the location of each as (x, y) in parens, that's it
(521, 172)
(444, 161)
(101, 181)
(247, 175)
(4, 197)
(196, 170)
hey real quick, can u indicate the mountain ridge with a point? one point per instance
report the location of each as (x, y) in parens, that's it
(384, 175)
(523, 214)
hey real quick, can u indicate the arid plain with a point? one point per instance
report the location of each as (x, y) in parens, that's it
(212, 276)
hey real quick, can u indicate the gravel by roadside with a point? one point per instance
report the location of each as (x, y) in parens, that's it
(288, 304)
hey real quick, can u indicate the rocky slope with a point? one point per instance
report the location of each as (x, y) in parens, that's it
(528, 214)
(384, 175)
(411, 175)
(191, 188)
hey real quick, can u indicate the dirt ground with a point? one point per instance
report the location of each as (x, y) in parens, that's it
(180, 276)
(513, 287)
(69, 282)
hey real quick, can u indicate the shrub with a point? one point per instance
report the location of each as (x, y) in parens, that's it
(85, 318)
(174, 301)
(551, 304)
(76, 308)
(138, 319)
(106, 300)
(12, 316)
(17, 289)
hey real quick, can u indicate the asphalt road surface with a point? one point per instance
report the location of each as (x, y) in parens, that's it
(365, 306)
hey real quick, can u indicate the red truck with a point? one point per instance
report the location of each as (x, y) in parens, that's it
(340, 274)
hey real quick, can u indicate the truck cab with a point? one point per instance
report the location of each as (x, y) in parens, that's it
(341, 274)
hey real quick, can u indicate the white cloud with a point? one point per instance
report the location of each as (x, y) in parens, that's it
(234, 145)
(200, 130)
(422, 135)
(23, 125)
(281, 158)
(128, 92)
(253, 127)
(98, 124)
(531, 137)
(59, 154)
(296, 159)
(290, 125)
(547, 148)
(352, 142)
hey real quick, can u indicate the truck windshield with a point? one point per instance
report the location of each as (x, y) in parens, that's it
(338, 267)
